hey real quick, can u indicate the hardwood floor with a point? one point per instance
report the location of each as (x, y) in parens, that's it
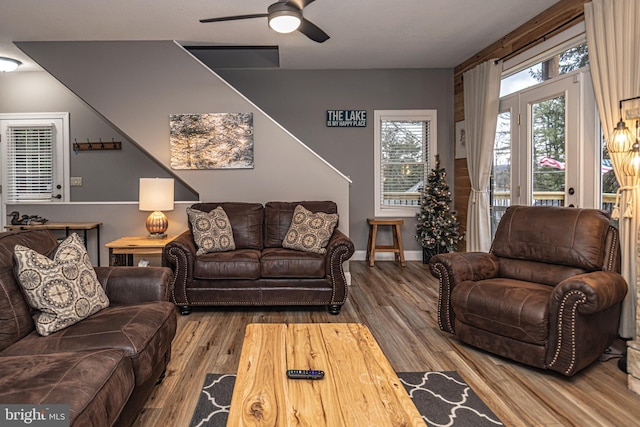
(399, 307)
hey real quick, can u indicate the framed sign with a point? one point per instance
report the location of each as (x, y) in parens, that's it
(346, 118)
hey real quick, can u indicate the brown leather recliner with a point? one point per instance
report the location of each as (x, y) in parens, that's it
(548, 294)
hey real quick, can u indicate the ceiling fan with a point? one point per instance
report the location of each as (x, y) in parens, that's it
(285, 16)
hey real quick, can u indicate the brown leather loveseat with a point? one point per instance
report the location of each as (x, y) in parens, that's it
(259, 272)
(106, 365)
(548, 294)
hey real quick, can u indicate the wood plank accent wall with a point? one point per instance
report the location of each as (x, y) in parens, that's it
(553, 19)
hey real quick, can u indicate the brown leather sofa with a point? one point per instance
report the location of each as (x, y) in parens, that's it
(104, 367)
(548, 294)
(260, 271)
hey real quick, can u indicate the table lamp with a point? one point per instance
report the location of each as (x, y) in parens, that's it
(156, 195)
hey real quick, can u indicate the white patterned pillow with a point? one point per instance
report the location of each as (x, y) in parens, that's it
(63, 290)
(211, 231)
(310, 232)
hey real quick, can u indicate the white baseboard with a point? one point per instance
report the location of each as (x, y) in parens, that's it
(388, 256)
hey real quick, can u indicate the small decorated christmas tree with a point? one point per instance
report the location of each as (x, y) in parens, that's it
(437, 228)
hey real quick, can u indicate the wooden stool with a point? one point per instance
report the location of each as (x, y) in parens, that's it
(372, 247)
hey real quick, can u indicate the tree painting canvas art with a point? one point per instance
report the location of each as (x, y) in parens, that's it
(211, 141)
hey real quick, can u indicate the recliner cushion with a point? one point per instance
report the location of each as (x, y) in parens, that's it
(142, 331)
(16, 321)
(238, 264)
(96, 384)
(536, 272)
(246, 221)
(555, 235)
(506, 307)
(280, 263)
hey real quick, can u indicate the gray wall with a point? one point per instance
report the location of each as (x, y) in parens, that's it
(139, 98)
(161, 78)
(106, 175)
(298, 99)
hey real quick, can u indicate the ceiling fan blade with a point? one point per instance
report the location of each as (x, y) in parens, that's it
(312, 31)
(235, 18)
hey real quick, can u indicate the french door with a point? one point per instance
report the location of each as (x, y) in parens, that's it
(545, 151)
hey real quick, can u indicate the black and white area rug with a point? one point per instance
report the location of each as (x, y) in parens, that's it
(443, 399)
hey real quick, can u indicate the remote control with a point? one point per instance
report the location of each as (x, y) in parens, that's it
(296, 374)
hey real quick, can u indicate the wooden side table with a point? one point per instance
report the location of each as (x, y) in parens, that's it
(67, 227)
(122, 250)
(396, 248)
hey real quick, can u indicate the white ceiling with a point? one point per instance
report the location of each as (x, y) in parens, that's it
(364, 33)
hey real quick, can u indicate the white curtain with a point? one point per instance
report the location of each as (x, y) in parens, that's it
(481, 103)
(613, 34)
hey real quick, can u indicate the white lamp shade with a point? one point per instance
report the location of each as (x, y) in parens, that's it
(156, 194)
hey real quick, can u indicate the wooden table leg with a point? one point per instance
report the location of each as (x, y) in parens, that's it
(374, 236)
(398, 243)
(368, 254)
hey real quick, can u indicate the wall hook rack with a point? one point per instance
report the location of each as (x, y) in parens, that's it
(96, 146)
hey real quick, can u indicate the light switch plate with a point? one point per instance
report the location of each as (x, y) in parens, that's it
(76, 181)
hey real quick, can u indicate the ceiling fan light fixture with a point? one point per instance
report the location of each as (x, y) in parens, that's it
(284, 23)
(8, 64)
(284, 18)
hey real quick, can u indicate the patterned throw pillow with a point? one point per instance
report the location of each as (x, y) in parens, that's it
(211, 231)
(64, 290)
(310, 232)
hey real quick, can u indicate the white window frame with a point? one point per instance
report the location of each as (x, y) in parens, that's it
(417, 115)
(61, 151)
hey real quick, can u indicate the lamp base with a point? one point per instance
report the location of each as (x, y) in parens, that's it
(157, 224)
(156, 235)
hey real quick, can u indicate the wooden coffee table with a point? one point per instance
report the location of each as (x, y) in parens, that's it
(359, 388)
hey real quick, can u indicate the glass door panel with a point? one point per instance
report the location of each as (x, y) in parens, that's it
(549, 164)
(501, 176)
(548, 158)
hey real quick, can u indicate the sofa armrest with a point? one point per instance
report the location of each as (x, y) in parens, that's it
(577, 306)
(134, 285)
(463, 266)
(339, 249)
(589, 293)
(453, 268)
(180, 256)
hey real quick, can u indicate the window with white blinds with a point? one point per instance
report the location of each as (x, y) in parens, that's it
(30, 163)
(35, 157)
(405, 145)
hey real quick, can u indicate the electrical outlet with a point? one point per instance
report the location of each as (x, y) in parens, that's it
(76, 181)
